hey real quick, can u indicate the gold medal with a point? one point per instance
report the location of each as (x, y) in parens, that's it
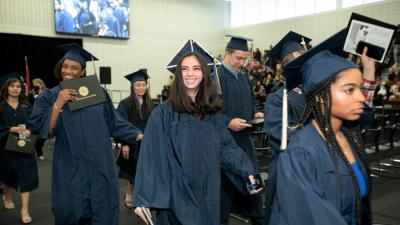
(83, 91)
(21, 143)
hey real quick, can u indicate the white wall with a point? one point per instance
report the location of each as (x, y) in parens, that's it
(317, 26)
(158, 28)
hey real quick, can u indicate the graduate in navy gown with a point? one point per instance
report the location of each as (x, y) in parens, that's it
(322, 177)
(17, 170)
(287, 49)
(136, 109)
(185, 145)
(84, 182)
(239, 107)
(296, 104)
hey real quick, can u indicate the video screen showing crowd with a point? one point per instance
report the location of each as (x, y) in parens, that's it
(93, 18)
(191, 159)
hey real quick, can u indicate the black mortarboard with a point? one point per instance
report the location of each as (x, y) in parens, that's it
(139, 75)
(318, 64)
(238, 43)
(192, 46)
(291, 42)
(5, 77)
(76, 53)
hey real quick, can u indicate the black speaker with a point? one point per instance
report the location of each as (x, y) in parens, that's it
(105, 75)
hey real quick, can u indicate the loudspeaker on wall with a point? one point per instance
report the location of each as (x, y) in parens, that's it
(105, 75)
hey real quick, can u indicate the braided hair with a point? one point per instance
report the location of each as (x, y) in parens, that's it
(319, 107)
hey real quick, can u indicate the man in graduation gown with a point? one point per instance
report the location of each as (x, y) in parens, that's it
(84, 182)
(239, 107)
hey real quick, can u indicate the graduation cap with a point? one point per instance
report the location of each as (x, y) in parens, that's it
(318, 64)
(238, 43)
(291, 42)
(139, 75)
(5, 77)
(192, 46)
(75, 52)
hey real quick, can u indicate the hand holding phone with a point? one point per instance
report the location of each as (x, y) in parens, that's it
(254, 184)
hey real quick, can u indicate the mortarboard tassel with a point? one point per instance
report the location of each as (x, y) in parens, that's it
(94, 66)
(284, 119)
(216, 77)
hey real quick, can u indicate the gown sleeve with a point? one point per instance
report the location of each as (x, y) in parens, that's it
(4, 128)
(273, 115)
(119, 128)
(123, 109)
(152, 182)
(40, 117)
(234, 161)
(300, 197)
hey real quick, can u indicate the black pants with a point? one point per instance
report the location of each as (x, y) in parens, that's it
(39, 146)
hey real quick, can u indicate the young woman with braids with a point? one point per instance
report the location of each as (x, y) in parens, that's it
(322, 178)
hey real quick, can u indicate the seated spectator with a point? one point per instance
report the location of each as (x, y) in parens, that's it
(259, 92)
(395, 93)
(381, 93)
(394, 72)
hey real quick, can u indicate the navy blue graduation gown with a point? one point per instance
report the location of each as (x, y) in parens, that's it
(238, 98)
(84, 183)
(17, 170)
(125, 109)
(273, 128)
(179, 166)
(308, 189)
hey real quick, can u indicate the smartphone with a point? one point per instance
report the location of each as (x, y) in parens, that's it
(147, 215)
(374, 51)
(259, 184)
(255, 121)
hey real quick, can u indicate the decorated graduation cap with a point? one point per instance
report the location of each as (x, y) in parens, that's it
(75, 52)
(139, 75)
(291, 42)
(318, 64)
(238, 43)
(192, 46)
(5, 77)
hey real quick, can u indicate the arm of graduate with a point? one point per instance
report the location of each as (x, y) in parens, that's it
(41, 113)
(152, 182)
(370, 83)
(273, 115)
(4, 128)
(234, 162)
(123, 109)
(369, 86)
(120, 129)
(299, 197)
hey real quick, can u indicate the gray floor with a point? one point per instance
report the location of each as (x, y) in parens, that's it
(385, 200)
